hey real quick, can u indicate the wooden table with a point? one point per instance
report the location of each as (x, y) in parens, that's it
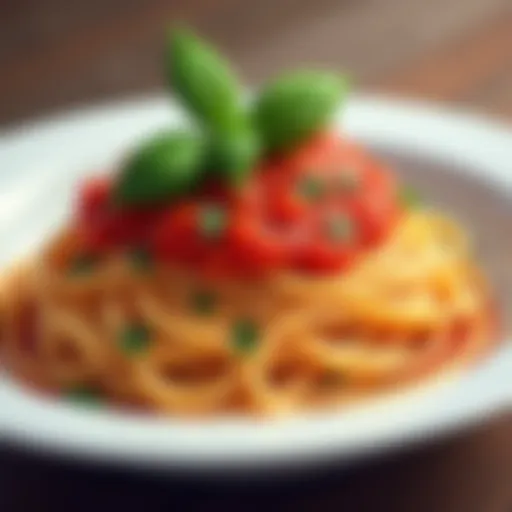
(60, 53)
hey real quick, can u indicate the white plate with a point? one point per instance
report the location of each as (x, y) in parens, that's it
(39, 164)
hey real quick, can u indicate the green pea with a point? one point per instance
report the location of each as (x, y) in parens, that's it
(409, 197)
(83, 395)
(347, 181)
(203, 80)
(203, 302)
(244, 336)
(297, 105)
(311, 188)
(135, 339)
(162, 168)
(212, 221)
(232, 157)
(340, 228)
(140, 258)
(82, 265)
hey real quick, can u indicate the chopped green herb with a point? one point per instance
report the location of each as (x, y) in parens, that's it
(347, 180)
(340, 229)
(212, 221)
(135, 339)
(140, 258)
(82, 395)
(409, 197)
(312, 188)
(244, 336)
(203, 302)
(82, 265)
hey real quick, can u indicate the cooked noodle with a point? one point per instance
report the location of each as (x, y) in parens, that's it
(415, 304)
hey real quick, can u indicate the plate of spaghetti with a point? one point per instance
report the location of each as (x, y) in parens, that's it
(287, 277)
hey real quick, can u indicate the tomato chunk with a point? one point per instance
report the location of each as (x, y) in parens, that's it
(315, 210)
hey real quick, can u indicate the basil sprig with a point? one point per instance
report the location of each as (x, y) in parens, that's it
(229, 136)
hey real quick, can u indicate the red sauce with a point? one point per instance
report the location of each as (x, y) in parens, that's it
(316, 210)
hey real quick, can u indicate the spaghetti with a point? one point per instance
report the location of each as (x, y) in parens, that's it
(412, 306)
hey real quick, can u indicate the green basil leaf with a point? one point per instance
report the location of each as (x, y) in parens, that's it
(232, 157)
(296, 106)
(162, 168)
(203, 80)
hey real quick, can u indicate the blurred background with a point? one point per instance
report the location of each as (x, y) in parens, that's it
(59, 53)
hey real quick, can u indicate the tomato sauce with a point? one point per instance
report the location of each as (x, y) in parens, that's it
(316, 210)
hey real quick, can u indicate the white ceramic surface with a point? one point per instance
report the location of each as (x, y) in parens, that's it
(39, 164)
